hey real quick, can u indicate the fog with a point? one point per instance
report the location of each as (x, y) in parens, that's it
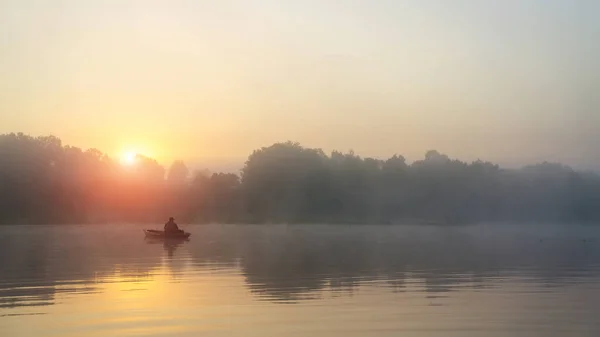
(44, 181)
(513, 82)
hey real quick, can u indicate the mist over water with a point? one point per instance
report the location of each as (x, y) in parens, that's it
(470, 207)
(300, 280)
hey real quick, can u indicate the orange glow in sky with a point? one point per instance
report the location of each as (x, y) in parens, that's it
(209, 82)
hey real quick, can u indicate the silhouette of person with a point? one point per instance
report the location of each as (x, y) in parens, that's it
(171, 226)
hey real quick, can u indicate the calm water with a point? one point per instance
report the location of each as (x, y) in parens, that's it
(301, 281)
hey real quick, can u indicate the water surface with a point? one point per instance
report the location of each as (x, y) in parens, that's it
(313, 280)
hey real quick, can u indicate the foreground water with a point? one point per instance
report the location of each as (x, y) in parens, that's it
(301, 281)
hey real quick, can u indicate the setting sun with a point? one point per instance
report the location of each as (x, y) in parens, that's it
(128, 158)
(130, 154)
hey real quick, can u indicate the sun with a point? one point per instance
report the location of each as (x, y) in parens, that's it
(128, 158)
(132, 155)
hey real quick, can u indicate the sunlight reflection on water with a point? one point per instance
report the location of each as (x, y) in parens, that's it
(300, 281)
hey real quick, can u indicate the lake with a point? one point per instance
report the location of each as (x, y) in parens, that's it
(301, 280)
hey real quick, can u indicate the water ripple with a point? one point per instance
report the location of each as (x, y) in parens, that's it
(303, 280)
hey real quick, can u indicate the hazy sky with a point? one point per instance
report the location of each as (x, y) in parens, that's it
(209, 81)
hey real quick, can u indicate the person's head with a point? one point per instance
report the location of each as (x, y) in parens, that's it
(171, 219)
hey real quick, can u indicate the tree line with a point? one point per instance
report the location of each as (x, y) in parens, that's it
(44, 181)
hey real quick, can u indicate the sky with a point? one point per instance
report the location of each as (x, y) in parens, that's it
(511, 81)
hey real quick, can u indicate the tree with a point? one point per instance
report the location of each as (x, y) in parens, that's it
(178, 173)
(44, 181)
(275, 181)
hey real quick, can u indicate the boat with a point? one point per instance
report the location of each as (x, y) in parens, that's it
(155, 234)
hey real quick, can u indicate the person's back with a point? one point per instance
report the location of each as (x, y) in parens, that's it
(171, 226)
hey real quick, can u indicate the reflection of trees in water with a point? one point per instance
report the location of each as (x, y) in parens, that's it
(39, 263)
(290, 262)
(293, 263)
(23, 297)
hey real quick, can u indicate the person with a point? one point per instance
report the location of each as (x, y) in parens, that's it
(171, 226)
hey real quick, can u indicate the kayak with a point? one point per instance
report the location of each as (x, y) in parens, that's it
(151, 233)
